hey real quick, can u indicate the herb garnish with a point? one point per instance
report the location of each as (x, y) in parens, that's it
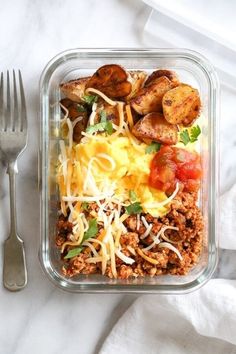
(132, 196)
(186, 137)
(84, 206)
(153, 147)
(134, 208)
(81, 108)
(104, 125)
(74, 252)
(90, 99)
(92, 230)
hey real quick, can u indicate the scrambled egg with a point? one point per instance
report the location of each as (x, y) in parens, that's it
(129, 172)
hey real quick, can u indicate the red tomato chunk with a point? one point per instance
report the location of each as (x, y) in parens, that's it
(171, 165)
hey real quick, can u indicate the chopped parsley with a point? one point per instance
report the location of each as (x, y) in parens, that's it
(134, 208)
(90, 99)
(186, 137)
(92, 230)
(104, 125)
(84, 206)
(153, 147)
(80, 108)
(74, 252)
(132, 196)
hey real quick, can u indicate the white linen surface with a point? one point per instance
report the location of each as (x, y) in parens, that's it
(203, 321)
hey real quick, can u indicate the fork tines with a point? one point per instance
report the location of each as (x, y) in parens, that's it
(12, 102)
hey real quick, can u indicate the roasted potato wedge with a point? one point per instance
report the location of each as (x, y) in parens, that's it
(149, 98)
(154, 127)
(112, 80)
(74, 89)
(181, 105)
(137, 79)
(171, 75)
(74, 113)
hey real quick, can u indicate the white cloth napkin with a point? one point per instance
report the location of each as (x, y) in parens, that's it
(203, 321)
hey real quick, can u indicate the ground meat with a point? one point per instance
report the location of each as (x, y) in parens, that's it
(184, 214)
(129, 239)
(77, 265)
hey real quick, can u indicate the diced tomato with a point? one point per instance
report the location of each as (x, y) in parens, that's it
(171, 165)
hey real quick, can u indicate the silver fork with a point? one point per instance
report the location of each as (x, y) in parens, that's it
(13, 140)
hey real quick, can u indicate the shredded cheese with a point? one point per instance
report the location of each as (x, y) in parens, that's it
(102, 95)
(148, 259)
(171, 247)
(147, 232)
(129, 116)
(124, 258)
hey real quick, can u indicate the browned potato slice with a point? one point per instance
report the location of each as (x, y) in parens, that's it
(136, 79)
(181, 105)
(149, 99)
(171, 75)
(154, 127)
(74, 89)
(112, 80)
(73, 114)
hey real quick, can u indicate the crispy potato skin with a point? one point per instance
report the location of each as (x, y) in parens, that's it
(154, 127)
(137, 79)
(181, 105)
(73, 114)
(149, 98)
(112, 80)
(171, 75)
(74, 89)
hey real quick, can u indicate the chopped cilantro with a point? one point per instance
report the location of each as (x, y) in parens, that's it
(92, 230)
(90, 99)
(132, 196)
(186, 137)
(153, 147)
(81, 108)
(104, 125)
(134, 208)
(74, 252)
(84, 206)
(194, 133)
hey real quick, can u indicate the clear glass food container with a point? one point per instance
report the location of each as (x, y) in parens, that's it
(192, 69)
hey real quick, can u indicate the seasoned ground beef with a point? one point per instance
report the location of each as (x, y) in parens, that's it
(184, 214)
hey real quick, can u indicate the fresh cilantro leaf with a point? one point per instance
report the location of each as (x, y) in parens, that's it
(184, 137)
(153, 147)
(74, 252)
(103, 117)
(99, 127)
(92, 230)
(81, 108)
(84, 206)
(194, 133)
(134, 208)
(90, 99)
(132, 196)
(104, 125)
(109, 127)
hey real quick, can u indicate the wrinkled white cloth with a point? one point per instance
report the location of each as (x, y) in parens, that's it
(203, 322)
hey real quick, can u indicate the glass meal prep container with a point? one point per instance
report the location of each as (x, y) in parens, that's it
(192, 69)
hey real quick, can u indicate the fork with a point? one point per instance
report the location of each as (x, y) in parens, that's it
(13, 140)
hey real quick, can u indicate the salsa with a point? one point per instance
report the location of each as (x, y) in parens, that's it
(171, 165)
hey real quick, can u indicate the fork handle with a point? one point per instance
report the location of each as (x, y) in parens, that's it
(11, 171)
